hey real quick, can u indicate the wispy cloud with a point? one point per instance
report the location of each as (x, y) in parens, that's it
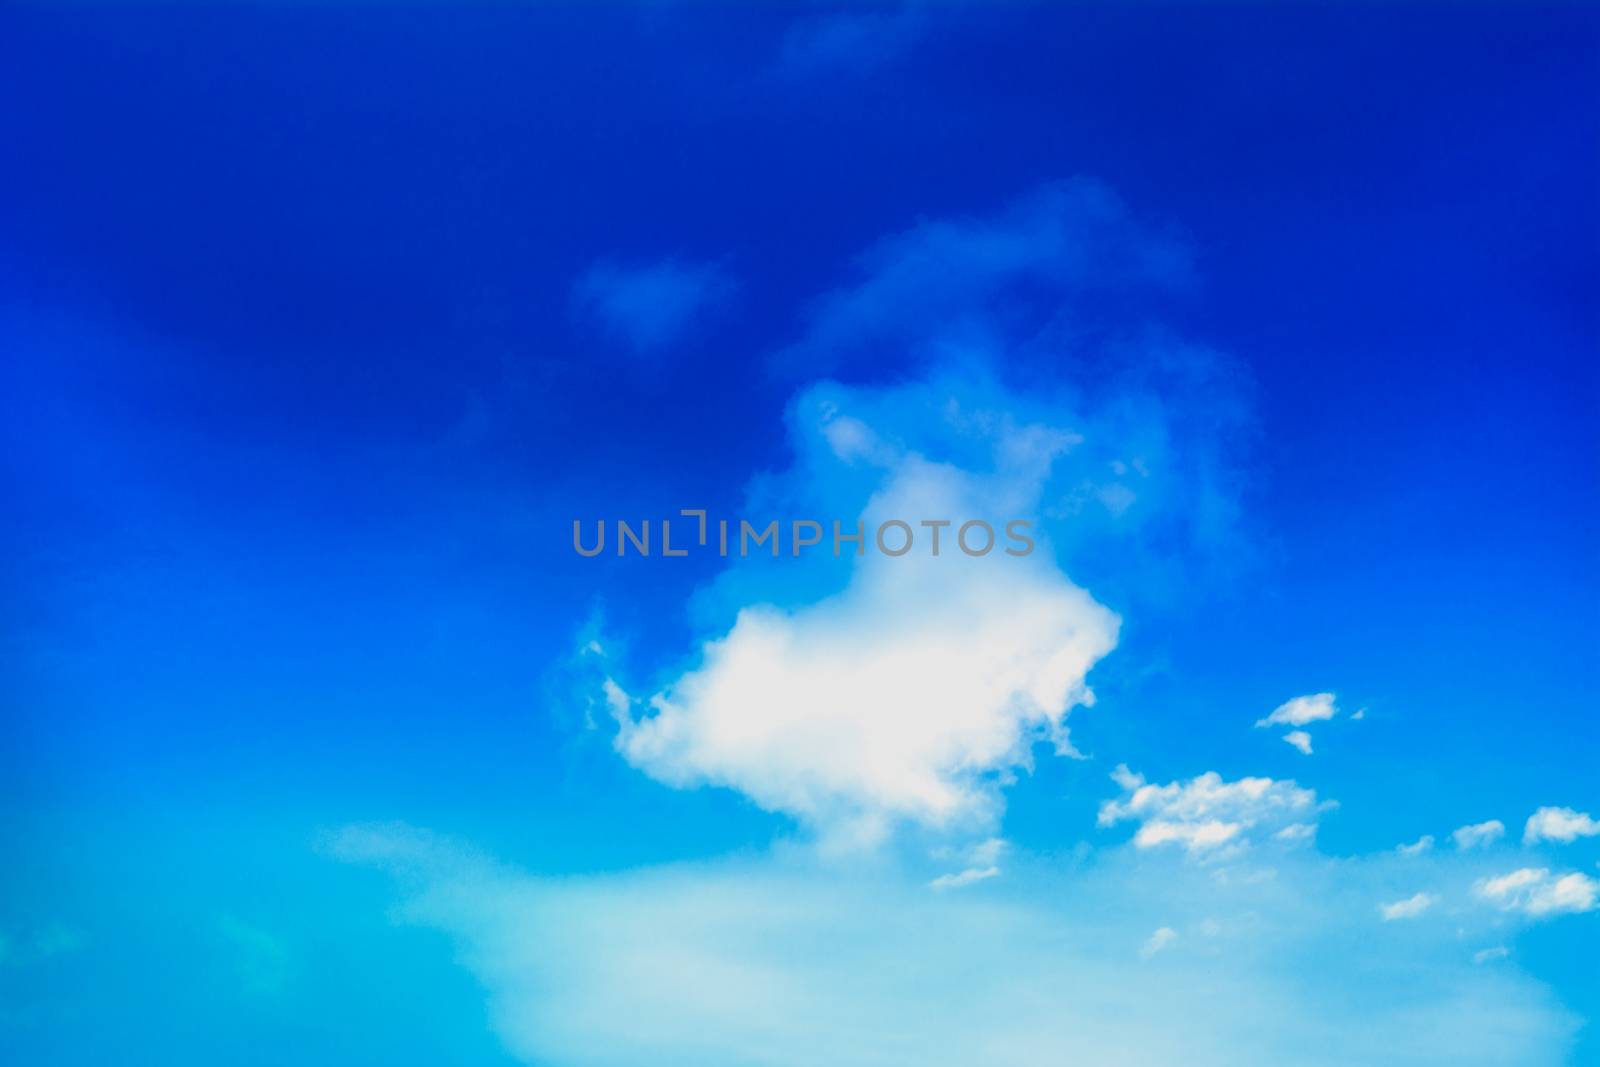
(1409, 908)
(1417, 847)
(859, 40)
(914, 691)
(949, 285)
(786, 962)
(650, 306)
(1160, 939)
(1302, 710)
(1479, 835)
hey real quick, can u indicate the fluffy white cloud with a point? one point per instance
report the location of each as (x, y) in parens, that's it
(1206, 812)
(912, 693)
(1301, 710)
(1538, 893)
(1409, 908)
(1300, 740)
(1479, 835)
(1558, 824)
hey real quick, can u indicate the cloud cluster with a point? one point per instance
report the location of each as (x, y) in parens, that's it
(1206, 813)
(865, 695)
(1538, 893)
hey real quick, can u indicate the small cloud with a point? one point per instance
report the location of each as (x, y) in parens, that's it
(650, 306)
(1301, 710)
(1157, 941)
(1300, 831)
(1488, 955)
(1479, 835)
(1360, 714)
(1409, 908)
(964, 878)
(981, 860)
(1558, 824)
(1299, 739)
(1417, 847)
(1537, 893)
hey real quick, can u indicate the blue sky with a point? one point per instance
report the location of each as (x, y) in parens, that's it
(323, 323)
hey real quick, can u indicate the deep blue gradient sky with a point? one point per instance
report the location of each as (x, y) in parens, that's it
(301, 399)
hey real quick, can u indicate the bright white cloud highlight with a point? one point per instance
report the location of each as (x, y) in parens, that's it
(1409, 908)
(1300, 740)
(1537, 893)
(1206, 812)
(1479, 835)
(1558, 824)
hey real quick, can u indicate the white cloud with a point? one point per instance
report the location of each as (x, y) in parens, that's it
(777, 961)
(1206, 812)
(1479, 835)
(1488, 955)
(1301, 710)
(1300, 740)
(1558, 824)
(913, 692)
(1417, 847)
(1409, 908)
(1537, 893)
(1160, 939)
